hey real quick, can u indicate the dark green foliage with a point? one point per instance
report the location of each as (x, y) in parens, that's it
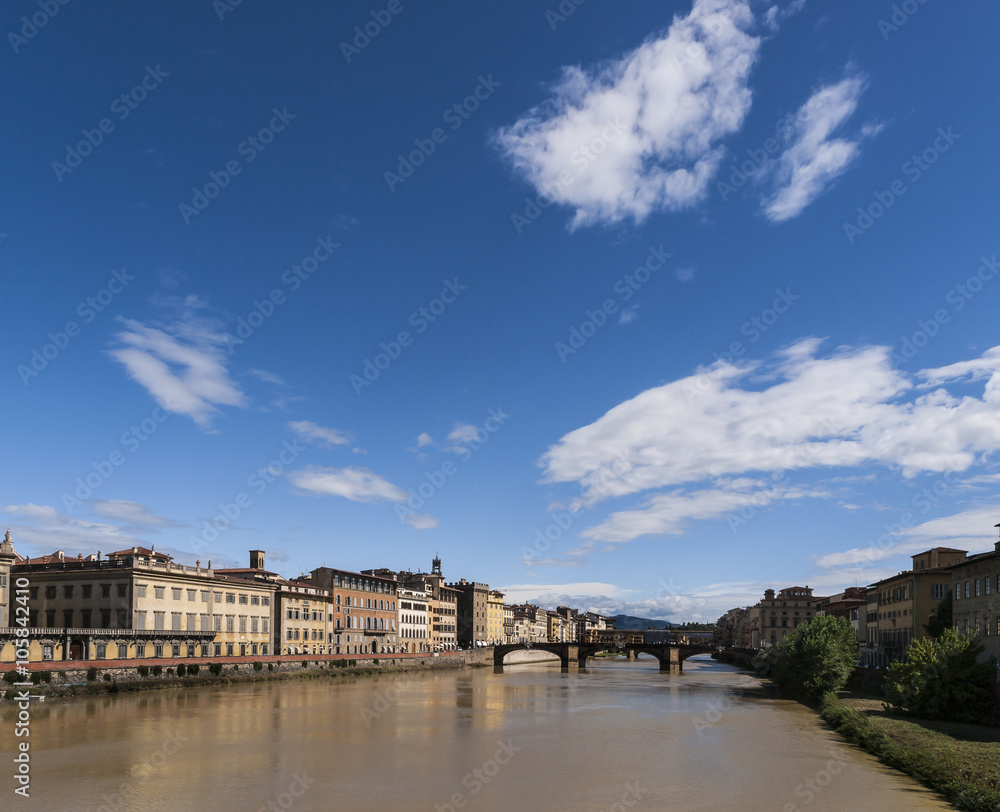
(215, 668)
(270, 666)
(157, 670)
(375, 661)
(143, 670)
(258, 666)
(941, 679)
(108, 677)
(181, 670)
(11, 677)
(941, 617)
(193, 670)
(817, 657)
(91, 674)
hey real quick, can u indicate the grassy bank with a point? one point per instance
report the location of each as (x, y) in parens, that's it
(960, 761)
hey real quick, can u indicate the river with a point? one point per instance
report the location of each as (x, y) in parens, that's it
(618, 736)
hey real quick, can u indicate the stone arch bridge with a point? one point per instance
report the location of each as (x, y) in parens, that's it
(574, 655)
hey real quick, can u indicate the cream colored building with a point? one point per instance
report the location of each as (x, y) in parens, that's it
(414, 620)
(139, 604)
(494, 617)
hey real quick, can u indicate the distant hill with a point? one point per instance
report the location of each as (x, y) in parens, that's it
(631, 623)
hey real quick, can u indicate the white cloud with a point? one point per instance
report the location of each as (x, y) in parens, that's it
(131, 512)
(421, 521)
(356, 484)
(183, 366)
(684, 274)
(424, 439)
(971, 530)
(642, 133)
(313, 433)
(792, 413)
(44, 530)
(814, 159)
(266, 377)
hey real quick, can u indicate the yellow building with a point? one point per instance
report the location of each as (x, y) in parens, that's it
(138, 604)
(494, 617)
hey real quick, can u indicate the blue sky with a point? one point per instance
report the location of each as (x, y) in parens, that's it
(638, 307)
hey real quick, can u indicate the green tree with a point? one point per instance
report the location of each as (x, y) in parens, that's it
(941, 617)
(943, 679)
(817, 657)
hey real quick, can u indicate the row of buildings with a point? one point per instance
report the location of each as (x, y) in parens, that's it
(889, 614)
(138, 603)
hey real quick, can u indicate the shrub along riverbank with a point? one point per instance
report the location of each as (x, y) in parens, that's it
(961, 761)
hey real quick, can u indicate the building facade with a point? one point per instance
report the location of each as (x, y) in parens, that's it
(471, 612)
(976, 599)
(494, 618)
(414, 620)
(364, 610)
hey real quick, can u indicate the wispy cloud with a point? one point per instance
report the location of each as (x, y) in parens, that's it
(356, 484)
(813, 158)
(313, 433)
(642, 133)
(266, 377)
(421, 521)
(130, 512)
(848, 409)
(182, 364)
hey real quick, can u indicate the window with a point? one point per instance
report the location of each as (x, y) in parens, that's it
(266, 601)
(105, 618)
(175, 621)
(140, 621)
(265, 624)
(966, 589)
(218, 649)
(218, 597)
(204, 596)
(255, 600)
(253, 649)
(158, 650)
(50, 592)
(229, 649)
(141, 590)
(243, 599)
(175, 650)
(67, 618)
(122, 590)
(243, 624)
(85, 618)
(67, 590)
(191, 622)
(46, 652)
(34, 592)
(87, 588)
(100, 651)
(123, 651)
(192, 594)
(191, 650)
(176, 593)
(938, 590)
(205, 623)
(958, 591)
(263, 648)
(254, 625)
(986, 585)
(230, 622)
(230, 597)
(158, 621)
(977, 592)
(217, 625)
(159, 591)
(140, 650)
